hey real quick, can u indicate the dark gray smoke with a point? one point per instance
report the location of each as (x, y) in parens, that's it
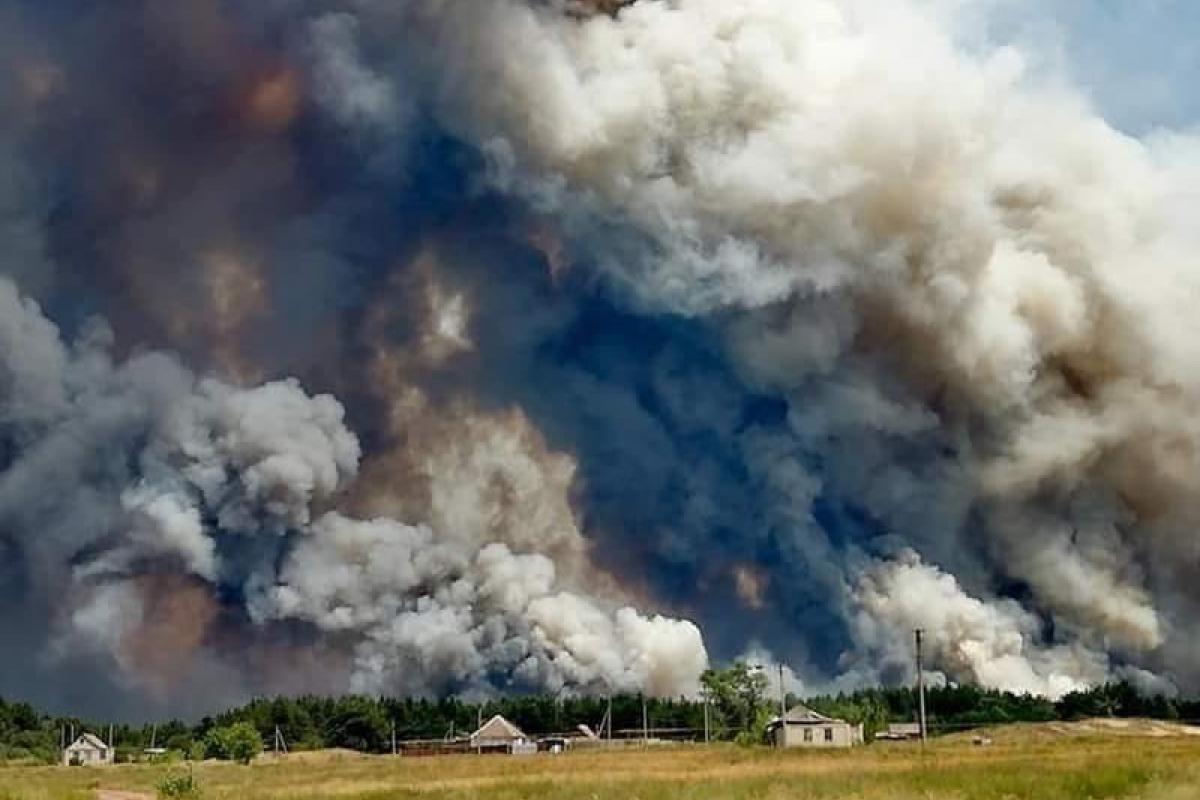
(798, 320)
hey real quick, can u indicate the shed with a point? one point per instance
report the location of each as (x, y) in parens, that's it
(803, 727)
(87, 750)
(500, 735)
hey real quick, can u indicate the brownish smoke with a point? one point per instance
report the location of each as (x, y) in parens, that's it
(178, 613)
(271, 99)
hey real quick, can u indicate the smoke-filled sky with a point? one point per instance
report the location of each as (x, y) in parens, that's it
(479, 346)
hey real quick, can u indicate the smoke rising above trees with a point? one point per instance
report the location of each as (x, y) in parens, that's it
(440, 337)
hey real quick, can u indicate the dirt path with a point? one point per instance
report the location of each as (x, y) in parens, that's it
(117, 794)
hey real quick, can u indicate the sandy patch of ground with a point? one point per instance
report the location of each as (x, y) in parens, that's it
(1137, 728)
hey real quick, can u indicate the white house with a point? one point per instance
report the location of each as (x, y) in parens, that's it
(500, 735)
(87, 750)
(803, 727)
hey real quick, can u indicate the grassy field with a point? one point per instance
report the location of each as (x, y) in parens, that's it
(1051, 762)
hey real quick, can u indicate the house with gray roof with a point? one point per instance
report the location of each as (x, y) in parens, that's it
(803, 727)
(86, 751)
(500, 735)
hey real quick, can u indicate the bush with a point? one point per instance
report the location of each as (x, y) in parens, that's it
(180, 741)
(126, 754)
(757, 732)
(179, 784)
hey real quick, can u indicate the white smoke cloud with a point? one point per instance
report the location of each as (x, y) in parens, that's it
(101, 620)
(354, 96)
(437, 613)
(994, 643)
(262, 456)
(35, 361)
(167, 523)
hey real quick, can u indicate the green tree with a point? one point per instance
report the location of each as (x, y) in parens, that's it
(239, 742)
(216, 743)
(736, 695)
(359, 723)
(244, 742)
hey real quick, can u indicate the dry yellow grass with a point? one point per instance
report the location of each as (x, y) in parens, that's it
(1024, 763)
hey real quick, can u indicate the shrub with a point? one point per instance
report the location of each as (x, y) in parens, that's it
(757, 732)
(178, 785)
(126, 754)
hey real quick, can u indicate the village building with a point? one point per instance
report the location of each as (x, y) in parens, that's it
(87, 750)
(900, 731)
(554, 744)
(498, 735)
(803, 727)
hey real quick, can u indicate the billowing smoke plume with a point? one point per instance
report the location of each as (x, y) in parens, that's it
(920, 251)
(994, 643)
(130, 473)
(812, 322)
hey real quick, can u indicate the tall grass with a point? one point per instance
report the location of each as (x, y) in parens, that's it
(1019, 767)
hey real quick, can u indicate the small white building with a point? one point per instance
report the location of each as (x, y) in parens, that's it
(87, 750)
(500, 735)
(803, 727)
(900, 731)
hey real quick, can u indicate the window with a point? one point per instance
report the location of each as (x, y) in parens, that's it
(808, 734)
(829, 734)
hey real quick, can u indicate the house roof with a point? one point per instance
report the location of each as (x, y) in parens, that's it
(802, 714)
(88, 740)
(498, 728)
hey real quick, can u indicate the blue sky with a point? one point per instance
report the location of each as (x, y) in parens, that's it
(1137, 59)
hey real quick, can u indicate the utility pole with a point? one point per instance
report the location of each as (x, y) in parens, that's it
(919, 633)
(645, 722)
(393, 737)
(706, 735)
(782, 696)
(608, 716)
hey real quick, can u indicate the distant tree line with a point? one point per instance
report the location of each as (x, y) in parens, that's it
(739, 703)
